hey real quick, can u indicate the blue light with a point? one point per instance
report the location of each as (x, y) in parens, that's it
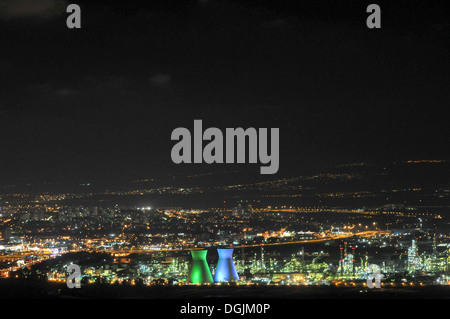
(225, 271)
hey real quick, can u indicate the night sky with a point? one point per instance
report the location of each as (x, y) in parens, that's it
(101, 102)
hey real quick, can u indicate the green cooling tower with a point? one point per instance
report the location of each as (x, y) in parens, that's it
(199, 272)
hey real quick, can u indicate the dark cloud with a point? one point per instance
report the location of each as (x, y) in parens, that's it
(66, 92)
(13, 9)
(6, 66)
(160, 79)
(116, 88)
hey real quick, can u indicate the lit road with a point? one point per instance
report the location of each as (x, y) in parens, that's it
(46, 254)
(366, 234)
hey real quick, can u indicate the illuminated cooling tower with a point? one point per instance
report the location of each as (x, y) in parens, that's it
(225, 271)
(199, 272)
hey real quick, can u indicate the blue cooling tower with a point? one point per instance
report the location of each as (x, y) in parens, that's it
(225, 271)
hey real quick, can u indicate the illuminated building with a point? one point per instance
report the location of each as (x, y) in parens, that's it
(346, 263)
(199, 272)
(263, 263)
(294, 265)
(413, 258)
(225, 271)
(447, 262)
